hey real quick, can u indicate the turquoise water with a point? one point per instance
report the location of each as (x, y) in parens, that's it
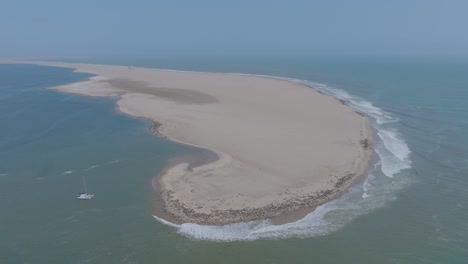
(411, 209)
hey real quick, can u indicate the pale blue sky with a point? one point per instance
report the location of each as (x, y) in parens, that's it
(226, 28)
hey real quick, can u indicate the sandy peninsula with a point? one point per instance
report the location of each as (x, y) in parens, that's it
(281, 148)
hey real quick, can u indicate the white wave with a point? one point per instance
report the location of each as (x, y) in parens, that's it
(311, 225)
(365, 195)
(375, 192)
(92, 167)
(67, 172)
(394, 144)
(3, 174)
(355, 102)
(326, 219)
(392, 150)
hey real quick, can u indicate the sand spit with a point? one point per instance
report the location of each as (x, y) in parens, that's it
(282, 147)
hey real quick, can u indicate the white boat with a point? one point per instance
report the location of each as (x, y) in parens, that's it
(85, 195)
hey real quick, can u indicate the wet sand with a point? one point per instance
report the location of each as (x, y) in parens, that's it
(277, 149)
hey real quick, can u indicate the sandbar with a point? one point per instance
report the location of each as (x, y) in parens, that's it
(280, 147)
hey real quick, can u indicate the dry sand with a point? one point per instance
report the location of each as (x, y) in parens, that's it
(282, 147)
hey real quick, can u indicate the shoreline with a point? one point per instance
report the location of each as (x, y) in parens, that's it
(293, 202)
(292, 215)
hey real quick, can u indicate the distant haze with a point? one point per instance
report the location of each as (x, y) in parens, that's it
(232, 28)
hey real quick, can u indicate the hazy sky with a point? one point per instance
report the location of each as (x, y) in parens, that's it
(236, 27)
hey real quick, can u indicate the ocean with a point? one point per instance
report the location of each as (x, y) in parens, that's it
(412, 207)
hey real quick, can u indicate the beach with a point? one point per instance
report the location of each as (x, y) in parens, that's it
(281, 148)
(410, 199)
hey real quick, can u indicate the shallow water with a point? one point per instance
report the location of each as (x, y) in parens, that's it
(411, 209)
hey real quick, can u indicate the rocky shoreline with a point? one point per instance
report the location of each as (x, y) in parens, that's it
(177, 212)
(281, 211)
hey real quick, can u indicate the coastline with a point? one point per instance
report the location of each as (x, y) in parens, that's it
(289, 211)
(283, 204)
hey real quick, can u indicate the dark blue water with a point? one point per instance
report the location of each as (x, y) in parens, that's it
(413, 207)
